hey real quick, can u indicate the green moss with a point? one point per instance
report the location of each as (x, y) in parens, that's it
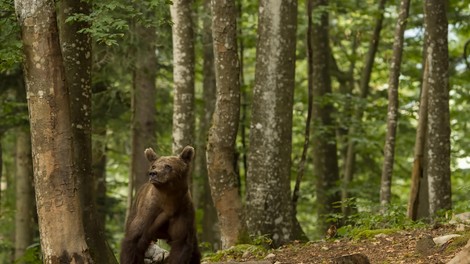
(366, 234)
(236, 253)
(458, 242)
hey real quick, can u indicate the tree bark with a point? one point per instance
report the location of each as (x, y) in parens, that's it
(419, 195)
(25, 209)
(392, 112)
(76, 53)
(98, 168)
(223, 132)
(244, 99)
(210, 227)
(437, 153)
(325, 161)
(58, 188)
(183, 74)
(269, 161)
(99, 151)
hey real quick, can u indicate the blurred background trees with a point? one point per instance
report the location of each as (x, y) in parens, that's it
(136, 100)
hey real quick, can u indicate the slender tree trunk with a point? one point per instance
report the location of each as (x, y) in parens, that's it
(269, 162)
(223, 132)
(392, 113)
(325, 159)
(297, 229)
(143, 107)
(244, 100)
(58, 188)
(98, 167)
(437, 153)
(25, 209)
(98, 155)
(364, 92)
(183, 74)
(418, 199)
(210, 227)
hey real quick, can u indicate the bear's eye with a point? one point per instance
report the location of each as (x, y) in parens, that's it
(154, 167)
(168, 167)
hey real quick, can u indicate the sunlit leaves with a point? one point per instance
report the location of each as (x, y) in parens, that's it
(10, 45)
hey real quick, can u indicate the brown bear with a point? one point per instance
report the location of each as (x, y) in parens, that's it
(163, 209)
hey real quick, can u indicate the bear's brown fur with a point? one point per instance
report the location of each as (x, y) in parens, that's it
(163, 209)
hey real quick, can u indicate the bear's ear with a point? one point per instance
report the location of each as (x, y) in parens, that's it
(150, 154)
(187, 154)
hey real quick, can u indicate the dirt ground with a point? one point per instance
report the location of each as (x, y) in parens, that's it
(406, 246)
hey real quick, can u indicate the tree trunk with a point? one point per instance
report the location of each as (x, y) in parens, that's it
(25, 209)
(325, 159)
(437, 153)
(223, 132)
(269, 162)
(418, 199)
(210, 227)
(98, 168)
(76, 53)
(99, 143)
(297, 229)
(58, 188)
(183, 74)
(244, 99)
(392, 113)
(364, 92)
(143, 107)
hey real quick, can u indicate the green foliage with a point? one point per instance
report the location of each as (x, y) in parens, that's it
(31, 256)
(368, 222)
(458, 242)
(236, 253)
(12, 114)
(7, 223)
(10, 45)
(110, 19)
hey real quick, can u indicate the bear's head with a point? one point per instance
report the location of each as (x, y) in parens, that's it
(169, 172)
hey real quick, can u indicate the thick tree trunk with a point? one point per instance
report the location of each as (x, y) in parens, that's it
(58, 189)
(269, 162)
(25, 209)
(76, 53)
(437, 153)
(325, 159)
(210, 227)
(143, 107)
(183, 74)
(392, 113)
(223, 132)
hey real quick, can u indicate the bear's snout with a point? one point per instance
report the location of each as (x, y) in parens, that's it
(156, 177)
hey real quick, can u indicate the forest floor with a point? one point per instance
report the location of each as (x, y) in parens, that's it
(401, 246)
